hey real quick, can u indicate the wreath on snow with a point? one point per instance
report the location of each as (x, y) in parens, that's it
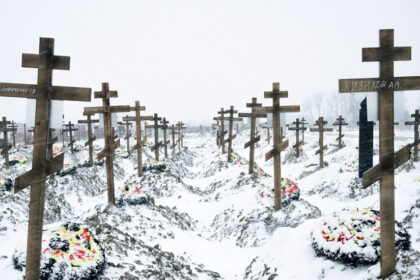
(5, 184)
(17, 159)
(289, 191)
(132, 194)
(353, 237)
(69, 251)
(236, 158)
(151, 164)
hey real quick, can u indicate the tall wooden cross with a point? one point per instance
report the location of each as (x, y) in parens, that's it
(5, 149)
(91, 137)
(340, 122)
(164, 123)
(251, 144)
(267, 127)
(173, 132)
(303, 123)
(127, 131)
(145, 133)
(69, 127)
(298, 127)
(278, 144)
(416, 124)
(156, 127)
(222, 131)
(106, 109)
(180, 127)
(385, 85)
(13, 128)
(137, 108)
(320, 123)
(231, 119)
(43, 92)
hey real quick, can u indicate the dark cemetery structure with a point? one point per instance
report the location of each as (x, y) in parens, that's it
(365, 140)
(321, 129)
(278, 144)
(106, 109)
(340, 122)
(386, 54)
(416, 124)
(251, 143)
(42, 165)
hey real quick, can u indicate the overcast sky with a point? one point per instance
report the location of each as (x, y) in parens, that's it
(186, 59)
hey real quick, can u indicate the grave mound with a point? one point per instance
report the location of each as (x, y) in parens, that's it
(68, 169)
(68, 252)
(289, 191)
(353, 237)
(133, 195)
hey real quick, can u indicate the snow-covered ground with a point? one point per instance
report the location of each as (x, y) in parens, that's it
(207, 220)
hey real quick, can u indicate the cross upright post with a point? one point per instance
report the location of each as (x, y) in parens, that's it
(43, 92)
(267, 127)
(173, 132)
(164, 123)
(416, 124)
(91, 138)
(278, 144)
(156, 127)
(340, 122)
(298, 127)
(231, 119)
(385, 85)
(321, 129)
(24, 134)
(13, 128)
(303, 123)
(222, 132)
(106, 109)
(251, 144)
(70, 128)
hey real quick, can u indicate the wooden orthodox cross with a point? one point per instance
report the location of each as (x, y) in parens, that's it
(105, 94)
(303, 123)
(222, 131)
(156, 127)
(5, 149)
(137, 108)
(278, 144)
(91, 137)
(42, 166)
(416, 124)
(297, 128)
(320, 123)
(340, 122)
(173, 132)
(231, 119)
(70, 128)
(164, 126)
(127, 124)
(385, 85)
(251, 144)
(217, 126)
(13, 128)
(268, 132)
(180, 126)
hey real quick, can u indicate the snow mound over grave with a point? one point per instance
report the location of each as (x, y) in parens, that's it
(289, 192)
(69, 252)
(251, 227)
(353, 237)
(132, 194)
(290, 156)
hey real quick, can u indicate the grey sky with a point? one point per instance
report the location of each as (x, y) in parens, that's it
(186, 59)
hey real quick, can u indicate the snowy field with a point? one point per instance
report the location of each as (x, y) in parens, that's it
(207, 219)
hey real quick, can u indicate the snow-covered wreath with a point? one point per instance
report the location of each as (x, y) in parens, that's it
(151, 164)
(5, 184)
(68, 252)
(132, 194)
(353, 236)
(289, 191)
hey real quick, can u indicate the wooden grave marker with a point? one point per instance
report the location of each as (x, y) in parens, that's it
(340, 122)
(156, 127)
(5, 150)
(69, 127)
(278, 144)
(217, 126)
(303, 123)
(164, 123)
(138, 118)
(222, 131)
(13, 128)
(267, 127)
(321, 129)
(91, 137)
(127, 124)
(386, 54)
(106, 109)
(180, 127)
(229, 140)
(298, 127)
(24, 134)
(43, 92)
(251, 143)
(173, 132)
(416, 124)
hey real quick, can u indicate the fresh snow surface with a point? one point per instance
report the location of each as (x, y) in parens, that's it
(206, 220)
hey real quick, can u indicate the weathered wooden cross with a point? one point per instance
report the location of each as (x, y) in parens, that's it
(5, 149)
(91, 137)
(69, 127)
(385, 85)
(416, 124)
(231, 119)
(137, 109)
(180, 128)
(127, 124)
(173, 132)
(278, 144)
(164, 126)
(106, 109)
(145, 133)
(303, 123)
(320, 123)
(251, 144)
(13, 128)
(340, 122)
(156, 127)
(222, 131)
(217, 126)
(298, 127)
(267, 127)
(43, 92)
